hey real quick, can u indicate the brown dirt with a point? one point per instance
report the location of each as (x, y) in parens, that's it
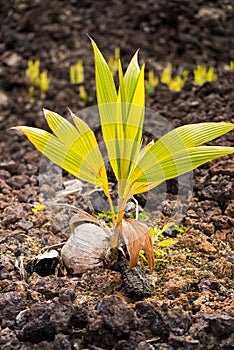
(192, 305)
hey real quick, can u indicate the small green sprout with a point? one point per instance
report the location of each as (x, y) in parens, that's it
(73, 146)
(36, 79)
(174, 84)
(44, 82)
(141, 216)
(77, 73)
(159, 233)
(83, 94)
(152, 82)
(159, 240)
(37, 207)
(113, 61)
(202, 75)
(178, 82)
(107, 216)
(77, 77)
(33, 72)
(232, 66)
(166, 74)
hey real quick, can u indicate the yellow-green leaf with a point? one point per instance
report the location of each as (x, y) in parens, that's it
(105, 86)
(174, 165)
(121, 119)
(176, 153)
(81, 140)
(65, 156)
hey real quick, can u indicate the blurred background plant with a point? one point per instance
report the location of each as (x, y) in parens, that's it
(201, 74)
(151, 83)
(36, 79)
(113, 61)
(76, 74)
(176, 83)
(232, 66)
(41, 81)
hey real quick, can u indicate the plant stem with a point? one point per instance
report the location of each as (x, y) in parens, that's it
(118, 224)
(111, 208)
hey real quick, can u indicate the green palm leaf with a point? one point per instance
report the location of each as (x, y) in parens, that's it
(176, 153)
(75, 149)
(58, 153)
(110, 114)
(190, 136)
(105, 86)
(121, 115)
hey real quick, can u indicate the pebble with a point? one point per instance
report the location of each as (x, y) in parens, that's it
(207, 247)
(44, 264)
(221, 221)
(11, 59)
(13, 213)
(17, 181)
(25, 225)
(4, 100)
(230, 209)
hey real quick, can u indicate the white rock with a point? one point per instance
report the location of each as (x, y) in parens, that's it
(4, 99)
(86, 248)
(12, 59)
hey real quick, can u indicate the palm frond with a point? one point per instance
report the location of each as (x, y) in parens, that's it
(176, 153)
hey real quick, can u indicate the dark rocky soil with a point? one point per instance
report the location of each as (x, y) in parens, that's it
(192, 305)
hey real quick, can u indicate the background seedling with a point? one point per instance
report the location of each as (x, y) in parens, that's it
(160, 242)
(202, 75)
(76, 74)
(178, 82)
(232, 66)
(36, 79)
(113, 61)
(175, 84)
(152, 82)
(83, 94)
(166, 74)
(37, 207)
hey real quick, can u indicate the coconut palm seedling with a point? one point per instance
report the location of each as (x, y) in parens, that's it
(137, 169)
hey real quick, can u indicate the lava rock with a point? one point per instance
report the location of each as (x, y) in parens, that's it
(44, 264)
(135, 282)
(8, 339)
(13, 213)
(212, 329)
(44, 320)
(12, 303)
(156, 319)
(110, 322)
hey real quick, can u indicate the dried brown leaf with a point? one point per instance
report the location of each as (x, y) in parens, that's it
(137, 236)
